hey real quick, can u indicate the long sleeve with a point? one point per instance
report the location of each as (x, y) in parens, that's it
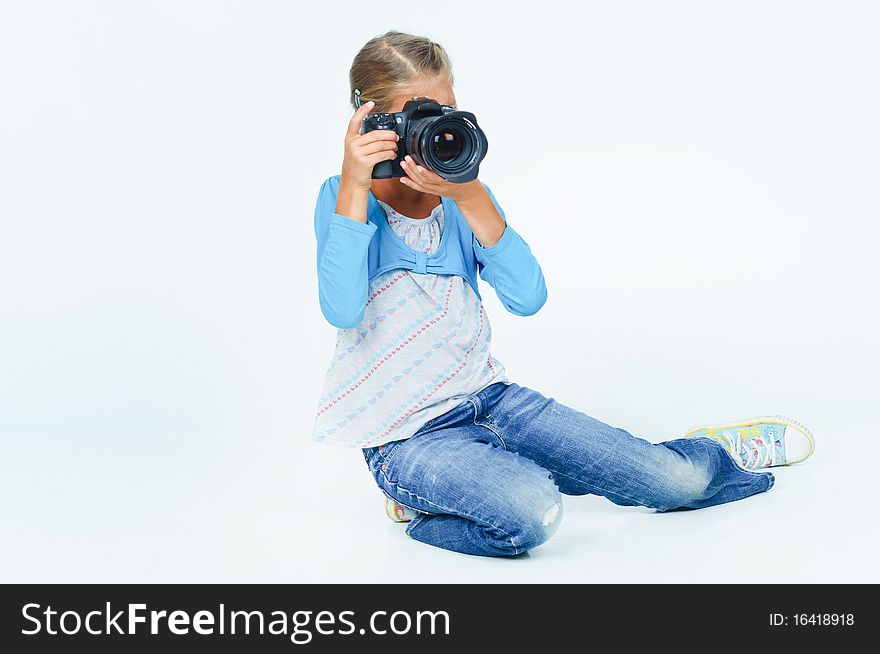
(512, 270)
(343, 277)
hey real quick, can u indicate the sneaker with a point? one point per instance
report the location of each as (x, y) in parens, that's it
(398, 512)
(762, 442)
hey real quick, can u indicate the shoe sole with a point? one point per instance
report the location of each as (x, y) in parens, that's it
(770, 420)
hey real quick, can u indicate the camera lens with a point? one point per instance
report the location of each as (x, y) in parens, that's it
(451, 145)
(447, 144)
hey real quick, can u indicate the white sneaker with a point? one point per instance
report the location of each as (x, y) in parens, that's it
(762, 442)
(398, 512)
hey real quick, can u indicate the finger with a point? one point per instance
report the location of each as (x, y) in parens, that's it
(373, 159)
(433, 177)
(354, 125)
(424, 175)
(377, 135)
(414, 171)
(377, 146)
(429, 176)
(409, 181)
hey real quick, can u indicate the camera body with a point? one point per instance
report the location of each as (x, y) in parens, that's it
(447, 142)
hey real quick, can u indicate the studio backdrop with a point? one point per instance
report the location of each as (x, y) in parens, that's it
(698, 181)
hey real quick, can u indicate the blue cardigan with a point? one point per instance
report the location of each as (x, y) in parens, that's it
(352, 253)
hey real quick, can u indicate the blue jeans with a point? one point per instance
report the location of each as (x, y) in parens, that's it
(486, 476)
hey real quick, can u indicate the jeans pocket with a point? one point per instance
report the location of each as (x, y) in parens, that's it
(385, 455)
(486, 421)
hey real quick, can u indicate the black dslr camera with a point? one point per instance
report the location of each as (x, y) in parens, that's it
(445, 141)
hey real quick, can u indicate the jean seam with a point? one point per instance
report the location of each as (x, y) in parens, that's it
(497, 435)
(449, 511)
(603, 490)
(383, 453)
(486, 426)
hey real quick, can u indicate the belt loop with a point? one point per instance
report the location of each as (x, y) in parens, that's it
(477, 401)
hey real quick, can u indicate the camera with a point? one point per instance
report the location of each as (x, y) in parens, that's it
(445, 141)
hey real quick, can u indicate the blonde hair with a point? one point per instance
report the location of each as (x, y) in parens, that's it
(392, 61)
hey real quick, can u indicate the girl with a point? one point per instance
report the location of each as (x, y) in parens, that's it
(474, 462)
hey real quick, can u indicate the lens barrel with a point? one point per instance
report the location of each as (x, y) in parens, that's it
(451, 145)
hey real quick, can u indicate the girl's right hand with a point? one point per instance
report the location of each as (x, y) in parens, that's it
(363, 151)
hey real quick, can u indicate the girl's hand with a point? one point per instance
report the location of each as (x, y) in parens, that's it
(363, 151)
(427, 181)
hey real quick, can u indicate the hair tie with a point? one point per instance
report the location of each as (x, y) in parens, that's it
(357, 98)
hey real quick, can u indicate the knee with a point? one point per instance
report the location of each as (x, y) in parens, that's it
(685, 486)
(536, 521)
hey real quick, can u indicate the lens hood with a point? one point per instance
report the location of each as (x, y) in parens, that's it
(452, 145)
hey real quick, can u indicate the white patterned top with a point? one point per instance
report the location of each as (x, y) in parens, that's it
(420, 350)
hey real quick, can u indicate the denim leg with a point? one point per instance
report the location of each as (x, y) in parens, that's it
(587, 456)
(476, 497)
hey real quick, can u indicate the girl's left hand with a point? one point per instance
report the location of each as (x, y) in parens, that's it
(427, 181)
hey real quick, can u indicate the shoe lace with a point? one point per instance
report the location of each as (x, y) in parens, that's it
(756, 452)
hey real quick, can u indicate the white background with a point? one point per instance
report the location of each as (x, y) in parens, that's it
(698, 180)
